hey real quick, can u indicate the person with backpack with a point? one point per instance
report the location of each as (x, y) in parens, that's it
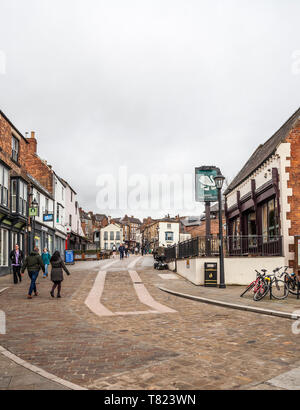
(33, 263)
(57, 276)
(46, 259)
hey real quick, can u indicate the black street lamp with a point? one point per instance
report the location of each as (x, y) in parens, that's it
(34, 204)
(219, 180)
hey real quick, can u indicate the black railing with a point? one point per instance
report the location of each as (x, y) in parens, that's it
(170, 253)
(203, 246)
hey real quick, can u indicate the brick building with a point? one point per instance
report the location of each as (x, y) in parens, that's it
(262, 202)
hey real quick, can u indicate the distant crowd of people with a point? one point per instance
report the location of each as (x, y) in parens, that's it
(34, 263)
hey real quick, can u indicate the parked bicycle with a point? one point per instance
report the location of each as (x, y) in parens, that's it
(256, 283)
(272, 283)
(292, 281)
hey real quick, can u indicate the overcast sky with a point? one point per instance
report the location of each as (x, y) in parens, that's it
(159, 86)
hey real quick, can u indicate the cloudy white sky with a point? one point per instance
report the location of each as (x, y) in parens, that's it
(157, 86)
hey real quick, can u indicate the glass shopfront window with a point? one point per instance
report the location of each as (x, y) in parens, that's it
(37, 242)
(3, 247)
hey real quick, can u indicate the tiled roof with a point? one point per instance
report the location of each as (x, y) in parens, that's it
(263, 152)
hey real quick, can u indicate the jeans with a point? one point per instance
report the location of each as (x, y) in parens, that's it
(33, 276)
(17, 273)
(46, 270)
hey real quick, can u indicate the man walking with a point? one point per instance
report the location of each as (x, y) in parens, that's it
(16, 256)
(33, 263)
(122, 250)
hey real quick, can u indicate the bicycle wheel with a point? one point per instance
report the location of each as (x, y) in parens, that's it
(280, 289)
(261, 292)
(292, 286)
(247, 289)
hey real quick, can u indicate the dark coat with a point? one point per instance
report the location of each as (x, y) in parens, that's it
(12, 257)
(33, 263)
(57, 270)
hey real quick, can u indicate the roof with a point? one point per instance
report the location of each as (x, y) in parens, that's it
(263, 152)
(13, 126)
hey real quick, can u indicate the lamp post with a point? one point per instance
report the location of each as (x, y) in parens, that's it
(34, 204)
(219, 180)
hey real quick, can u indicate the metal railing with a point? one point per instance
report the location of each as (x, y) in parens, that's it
(245, 246)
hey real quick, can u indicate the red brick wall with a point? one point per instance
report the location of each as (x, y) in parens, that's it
(36, 167)
(294, 182)
(6, 146)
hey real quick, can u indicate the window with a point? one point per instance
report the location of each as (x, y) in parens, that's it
(118, 236)
(71, 196)
(270, 225)
(169, 236)
(3, 186)
(3, 247)
(15, 149)
(112, 235)
(106, 236)
(57, 214)
(14, 195)
(169, 226)
(70, 220)
(236, 233)
(46, 205)
(22, 198)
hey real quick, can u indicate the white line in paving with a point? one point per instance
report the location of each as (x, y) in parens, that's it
(39, 371)
(145, 297)
(133, 263)
(4, 289)
(94, 297)
(93, 301)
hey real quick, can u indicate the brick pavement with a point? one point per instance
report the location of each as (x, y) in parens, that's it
(198, 347)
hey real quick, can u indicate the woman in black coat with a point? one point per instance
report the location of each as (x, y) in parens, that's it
(57, 276)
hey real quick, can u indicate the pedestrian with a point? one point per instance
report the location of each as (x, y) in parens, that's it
(121, 250)
(57, 275)
(136, 250)
(114, 249)
(46, 259)
(126, 251)
(16, 257)
(33, 263)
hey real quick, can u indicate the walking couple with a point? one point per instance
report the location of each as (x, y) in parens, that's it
(34, 263)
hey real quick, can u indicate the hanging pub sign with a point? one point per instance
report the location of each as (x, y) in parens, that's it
(205, 187)
(33, 212)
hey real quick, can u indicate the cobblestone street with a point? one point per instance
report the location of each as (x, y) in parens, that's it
(170, 343)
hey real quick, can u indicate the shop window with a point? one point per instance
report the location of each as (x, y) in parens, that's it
(3, 247)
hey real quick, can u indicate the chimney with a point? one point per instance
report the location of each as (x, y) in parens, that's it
(109, 219)
(32, 143)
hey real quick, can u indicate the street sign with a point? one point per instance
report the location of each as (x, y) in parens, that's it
(33, 211)
(69, 256)
(48, 217)
(205, 187)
